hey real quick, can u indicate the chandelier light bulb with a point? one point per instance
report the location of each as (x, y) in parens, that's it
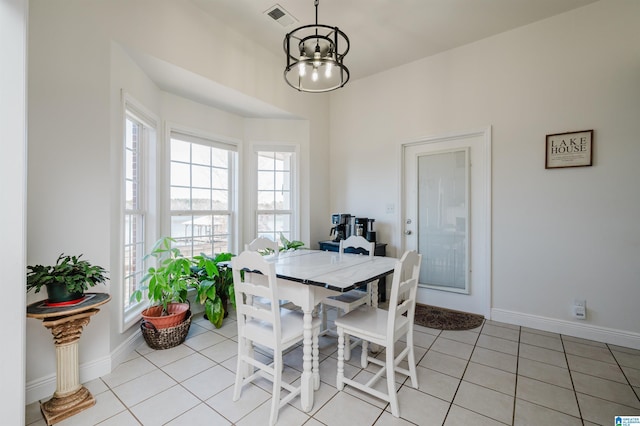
(327, 69)
(314, 74)
(316, 57)
(302, 69)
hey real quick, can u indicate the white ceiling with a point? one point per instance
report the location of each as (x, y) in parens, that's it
(383, 34)
(388, 33)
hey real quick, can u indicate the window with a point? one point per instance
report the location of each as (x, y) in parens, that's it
(202, 194)
(275, 193)
(139, 137)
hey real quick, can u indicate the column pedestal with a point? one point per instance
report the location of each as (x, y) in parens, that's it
(66, 325)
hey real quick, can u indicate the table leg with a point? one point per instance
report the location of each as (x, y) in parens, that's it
(307, 379)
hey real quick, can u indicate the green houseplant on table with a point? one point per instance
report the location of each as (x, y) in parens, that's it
(66, 280)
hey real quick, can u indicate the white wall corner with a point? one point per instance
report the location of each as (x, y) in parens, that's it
(582, 330)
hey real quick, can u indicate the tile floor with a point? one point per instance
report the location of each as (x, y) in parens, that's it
(494, 375)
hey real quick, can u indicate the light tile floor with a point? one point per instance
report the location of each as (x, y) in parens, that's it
(493, 375)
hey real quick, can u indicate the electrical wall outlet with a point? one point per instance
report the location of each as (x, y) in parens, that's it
(390, 208)
(580, 309)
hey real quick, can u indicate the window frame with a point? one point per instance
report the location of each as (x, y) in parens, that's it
(294, 211)
(147, 184)
(233, 147)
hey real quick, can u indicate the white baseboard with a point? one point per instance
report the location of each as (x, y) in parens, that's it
(44, 387)
(570, 328)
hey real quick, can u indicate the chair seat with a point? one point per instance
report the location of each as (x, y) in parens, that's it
(291, 324)
(370, 323)
(347, 301)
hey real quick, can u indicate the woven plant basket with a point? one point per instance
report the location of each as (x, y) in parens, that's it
(165, 338)
(176, 313)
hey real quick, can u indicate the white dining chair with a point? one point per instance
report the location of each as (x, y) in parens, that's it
(276, 328)
(349, 300)
(385, 328)
(263, 245)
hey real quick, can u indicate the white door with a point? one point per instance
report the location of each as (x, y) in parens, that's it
(447, 217)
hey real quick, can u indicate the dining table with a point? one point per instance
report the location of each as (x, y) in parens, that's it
(306, 277)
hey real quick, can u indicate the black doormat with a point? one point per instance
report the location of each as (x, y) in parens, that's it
(446, 319)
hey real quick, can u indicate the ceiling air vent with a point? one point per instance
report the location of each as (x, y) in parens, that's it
(281, 16)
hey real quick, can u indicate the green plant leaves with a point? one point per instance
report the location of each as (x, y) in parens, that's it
(77, 275)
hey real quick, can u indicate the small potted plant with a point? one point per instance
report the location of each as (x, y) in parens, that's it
(67, 280)
(166, 284)
(214, 286)
(290, 245)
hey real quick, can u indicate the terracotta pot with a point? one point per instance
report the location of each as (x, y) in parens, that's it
(176, 313)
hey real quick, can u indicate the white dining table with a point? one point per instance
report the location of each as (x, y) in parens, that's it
(305, 277)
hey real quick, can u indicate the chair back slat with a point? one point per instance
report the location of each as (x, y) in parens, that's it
(254, 285)
(357, 242)
(404, 289)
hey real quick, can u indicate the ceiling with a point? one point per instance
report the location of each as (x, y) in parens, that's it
(384, 34)
(387, 33)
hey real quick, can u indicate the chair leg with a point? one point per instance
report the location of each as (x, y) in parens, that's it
(340, 375)
(391, 381)
(365, 353)
(347, 347)
(275, 398)
(237, 389)
(411, 359)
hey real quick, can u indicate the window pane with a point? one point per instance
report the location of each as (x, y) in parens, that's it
(201, 177)
(265, 180)
(266, 222)
(265, 160)
(220, 178)
(220, 158)
(128, 196)
(200, 154)
(180, 151)
(180, 174)
(266, 200)
(282, 200)
(283, 222)
(283, 181)
(283, 161)
(201, 199)
(180, 198)
(220, 200)
(442, 193)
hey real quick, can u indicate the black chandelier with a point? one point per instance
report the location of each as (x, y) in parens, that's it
(315, 55)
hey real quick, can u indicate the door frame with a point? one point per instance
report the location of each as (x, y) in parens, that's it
(485, 254)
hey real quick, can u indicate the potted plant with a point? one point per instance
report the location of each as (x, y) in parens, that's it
(67, 280)
(290, 245)
(166, 284)
(214, 286)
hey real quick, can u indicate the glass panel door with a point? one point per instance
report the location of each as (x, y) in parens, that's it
(443, 218)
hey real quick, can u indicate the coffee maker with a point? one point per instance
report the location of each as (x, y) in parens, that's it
(341, 226)
(363, 227)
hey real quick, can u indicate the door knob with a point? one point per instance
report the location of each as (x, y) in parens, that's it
(407, 232)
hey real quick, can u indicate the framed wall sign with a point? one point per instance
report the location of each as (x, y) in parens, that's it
(572, 149)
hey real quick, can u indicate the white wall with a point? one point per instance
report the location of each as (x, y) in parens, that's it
(13, 142)
(79, 66)
(557, 234)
